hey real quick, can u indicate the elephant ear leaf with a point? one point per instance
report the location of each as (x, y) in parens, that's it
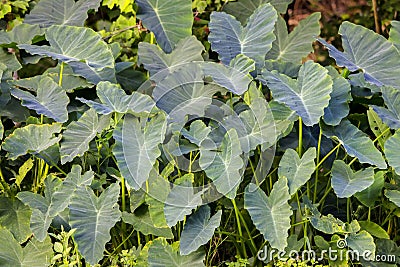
(346, 183)
(312, 86)
(93, 217)
(136, 147)
(270, 214)
(61, 12)
(32, 139)
(198, 229)
(368, 51)
(394, 196)
(394, 34)
(391, 114)
(86, 53)
(50, 100)
(392, 147)
(229, 38)
(170, 21)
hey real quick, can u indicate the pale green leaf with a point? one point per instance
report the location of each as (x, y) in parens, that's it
(32, 139)
(380, 130)
(223, 167)
(346, 183)
(136, 147)
(297, 170)
(170, 21)
(93, 217)
(161, 254)
(229, 38)
(370, 195)
(23, 171)
(362, 242)
(392, 148)
(79, 133)
(295, 46)
(50, 100)
(356, 143)
(309, 95)
(61, 12)
(374, 229)
(34, 254)
(198, 229)
(394, 196)
(20, 34)
(82, 48)
(391, 114)
(394, 34)
(367, 51)
(270, 214)
(14, 216)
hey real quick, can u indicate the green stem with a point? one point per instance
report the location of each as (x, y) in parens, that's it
(300, 148)
(61, 74)
(239, 227)
(317, 170)
(348, 210)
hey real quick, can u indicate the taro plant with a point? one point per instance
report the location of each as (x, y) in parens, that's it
(244, 153)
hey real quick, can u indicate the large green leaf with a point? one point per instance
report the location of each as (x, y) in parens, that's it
(41, 218)
(394, 196)
(308, 95)
(34, 254)
(198, 229)
(229, 38)
(161, 254)
(362, 242)
(136, 147)
(297, 170)
(368, 51)
(374, 229)
(14, 216)
(235, 77)
(370, 195)
(20, 34)
(223, 166)
(338, 107)
(170, 21)
(144, 224)
(50, 100)
(32, 139)
(82, 48)
(242, 9)
(270, 215)
(295, 46)
(93, 217)
(79, 133)
(394, 34)
(391, 114)
(114, 99)
(346, 183)
(392, 148)
(356, 143)
(380, 130)
(160, 64)
(181, 200)
(62, 12)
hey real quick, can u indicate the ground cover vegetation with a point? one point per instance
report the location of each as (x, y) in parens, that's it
(199, 133)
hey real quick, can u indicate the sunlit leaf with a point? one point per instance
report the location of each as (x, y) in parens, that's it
(93, 217)
(392, 148)
(380, 130)
(14, 216)
(308, 95)
(198, 229)
(170, 21)
(32, 139)
(374, 229)
(229, 38)
(144, 224)
(394, 196)
(370, 195)
(362, 242)
(346, 183)
(20, 34)
(270, 214)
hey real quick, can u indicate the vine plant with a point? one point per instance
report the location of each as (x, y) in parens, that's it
(259, 148)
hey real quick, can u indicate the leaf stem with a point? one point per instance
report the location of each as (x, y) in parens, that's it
(239, 226)
(61, 74)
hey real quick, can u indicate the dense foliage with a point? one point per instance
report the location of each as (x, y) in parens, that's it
(146, 134)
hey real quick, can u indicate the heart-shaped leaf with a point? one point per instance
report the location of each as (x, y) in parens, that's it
(308, 95)
(295, 46)
(229, 38)
(136, 147)
(370, 195)
(79, 133)
(170, 21)
(297, 170)
(368, 51)
(198, 229)
(14, 216)
(270, 215)
(346, 183)
(50, 100)
(93, 217)
(356, 143)
(82, 48)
